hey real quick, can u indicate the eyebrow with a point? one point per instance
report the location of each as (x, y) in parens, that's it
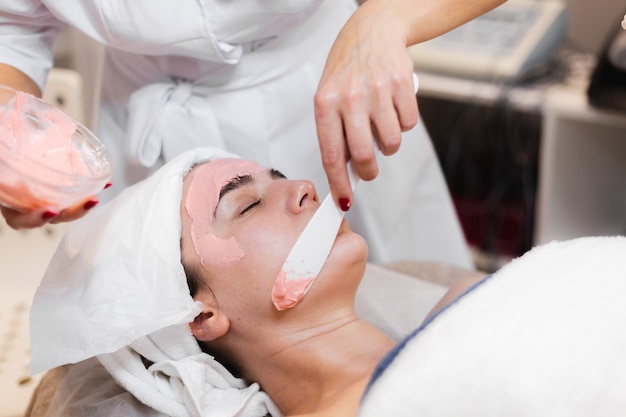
(242, 180)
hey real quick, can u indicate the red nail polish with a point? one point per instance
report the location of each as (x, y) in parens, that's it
(108, 185)
(47, 215)
(90, 204)
(345, 204)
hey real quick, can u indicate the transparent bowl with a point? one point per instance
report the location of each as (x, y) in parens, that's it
(46, 157)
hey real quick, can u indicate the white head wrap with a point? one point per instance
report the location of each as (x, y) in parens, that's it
(116, 289)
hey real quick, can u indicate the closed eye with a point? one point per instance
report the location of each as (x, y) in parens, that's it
(250, 207)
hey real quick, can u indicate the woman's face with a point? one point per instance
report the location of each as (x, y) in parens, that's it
(239, 223)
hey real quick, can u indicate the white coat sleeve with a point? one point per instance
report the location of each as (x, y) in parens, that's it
(27, 32)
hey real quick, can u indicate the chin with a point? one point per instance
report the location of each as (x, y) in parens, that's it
(349, 251)
(343, 271)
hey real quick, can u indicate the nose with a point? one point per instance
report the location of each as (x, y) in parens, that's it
(302, 193)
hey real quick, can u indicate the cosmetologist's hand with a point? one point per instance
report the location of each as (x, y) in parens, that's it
(44, 215)
(365, 99)
(37, 217)
(365, 96)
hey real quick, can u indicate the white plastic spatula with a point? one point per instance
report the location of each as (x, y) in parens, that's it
(308, 255)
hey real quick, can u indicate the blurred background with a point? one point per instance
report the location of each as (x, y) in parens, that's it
(530, 150)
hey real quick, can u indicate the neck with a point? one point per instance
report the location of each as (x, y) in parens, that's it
(321, 368)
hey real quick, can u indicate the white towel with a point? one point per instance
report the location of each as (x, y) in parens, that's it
(544, 336)
(180, 380)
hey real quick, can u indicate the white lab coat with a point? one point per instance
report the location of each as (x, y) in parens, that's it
(239, 75)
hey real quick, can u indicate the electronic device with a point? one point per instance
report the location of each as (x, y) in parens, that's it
(506, 43)
(607, 87)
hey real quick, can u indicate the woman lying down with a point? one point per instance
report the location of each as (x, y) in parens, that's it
(168, 288)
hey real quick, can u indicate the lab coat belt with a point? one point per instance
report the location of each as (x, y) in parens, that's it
(168, 118)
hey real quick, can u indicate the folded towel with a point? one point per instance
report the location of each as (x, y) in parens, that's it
(117, 273)
(168, 372)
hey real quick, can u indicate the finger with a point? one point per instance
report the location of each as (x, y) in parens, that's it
(361, 145)
(386, 126)
(359, 137)
(28, 220)
(76, 211)
(405, 103)
(332, 144)
(389, 121)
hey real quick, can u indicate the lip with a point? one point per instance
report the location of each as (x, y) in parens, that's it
(344, 227)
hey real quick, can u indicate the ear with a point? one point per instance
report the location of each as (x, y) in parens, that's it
(210, 323)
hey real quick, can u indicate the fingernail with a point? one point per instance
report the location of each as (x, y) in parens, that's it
(47, 215)
(90, 204)
(345, 204)
(108, 185)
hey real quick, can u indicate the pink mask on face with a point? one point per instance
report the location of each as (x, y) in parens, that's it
(202, 198)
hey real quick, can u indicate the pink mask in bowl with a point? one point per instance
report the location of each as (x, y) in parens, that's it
(46, 157)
